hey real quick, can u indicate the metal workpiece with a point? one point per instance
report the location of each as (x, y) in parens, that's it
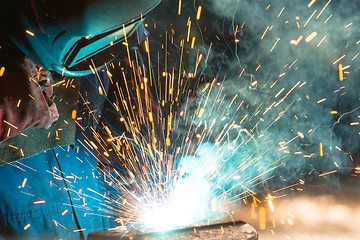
(230, 231)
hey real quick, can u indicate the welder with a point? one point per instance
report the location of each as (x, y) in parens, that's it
(51, 187)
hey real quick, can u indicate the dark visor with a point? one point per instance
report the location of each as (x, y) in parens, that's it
(98, 50)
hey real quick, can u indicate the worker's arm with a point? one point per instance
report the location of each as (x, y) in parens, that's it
(25, 95)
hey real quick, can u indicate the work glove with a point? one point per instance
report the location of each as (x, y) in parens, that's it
(44, 80)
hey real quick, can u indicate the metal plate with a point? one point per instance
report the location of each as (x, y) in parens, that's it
(232, 230)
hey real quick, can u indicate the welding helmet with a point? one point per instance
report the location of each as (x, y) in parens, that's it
(74, 37)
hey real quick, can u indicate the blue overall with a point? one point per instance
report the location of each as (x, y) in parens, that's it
(55, 194)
